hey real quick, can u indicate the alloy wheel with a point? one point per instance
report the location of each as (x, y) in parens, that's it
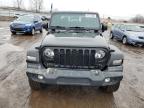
(124, 41)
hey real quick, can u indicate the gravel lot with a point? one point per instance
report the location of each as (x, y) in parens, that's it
(16, 93)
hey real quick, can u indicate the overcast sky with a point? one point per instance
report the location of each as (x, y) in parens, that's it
(114, 8)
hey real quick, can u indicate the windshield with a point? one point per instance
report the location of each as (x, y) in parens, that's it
(75, 20)
(133, 28)
(25, 18)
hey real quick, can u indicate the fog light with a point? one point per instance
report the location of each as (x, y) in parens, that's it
(107, 80)
(117, 62)
(40, 77)
(30, 58)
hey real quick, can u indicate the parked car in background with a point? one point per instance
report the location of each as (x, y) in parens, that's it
(17, 15)
(26, 24)
(45, 22)
(128, 34)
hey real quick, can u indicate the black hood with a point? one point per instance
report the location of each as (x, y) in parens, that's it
(66, 39)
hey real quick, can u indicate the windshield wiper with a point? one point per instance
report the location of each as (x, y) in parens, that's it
(82, 28)
(76, 27)
(57, 27)
(129, 30)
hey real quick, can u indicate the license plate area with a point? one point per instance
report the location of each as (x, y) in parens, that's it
(73, 81)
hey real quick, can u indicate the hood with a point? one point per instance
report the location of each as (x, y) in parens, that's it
(20, 22)
(75, 40)
(135, 33)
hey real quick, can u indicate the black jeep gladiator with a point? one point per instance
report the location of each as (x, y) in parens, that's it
(74, 52)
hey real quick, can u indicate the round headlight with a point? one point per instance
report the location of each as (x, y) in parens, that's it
(100, 54)
(48, 53)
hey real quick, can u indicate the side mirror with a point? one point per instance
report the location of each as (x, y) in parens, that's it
(104, 27)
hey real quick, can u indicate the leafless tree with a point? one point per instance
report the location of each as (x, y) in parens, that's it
(37, 5)
(138, 19)
(19, 4)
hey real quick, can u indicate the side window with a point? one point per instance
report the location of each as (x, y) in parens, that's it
(118, 26)
(115, 26)
(122, 27)
(37, 18)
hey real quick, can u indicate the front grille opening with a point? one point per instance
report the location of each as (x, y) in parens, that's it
(62, 56)
(75, 58)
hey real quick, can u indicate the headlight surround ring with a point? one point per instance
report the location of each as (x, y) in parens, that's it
(48, 53)
(100, 54)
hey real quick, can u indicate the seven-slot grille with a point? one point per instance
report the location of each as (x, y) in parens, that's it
(76, 58)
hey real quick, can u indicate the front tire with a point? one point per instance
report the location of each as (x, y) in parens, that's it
(32, 31)
(41, 30)
(124, 40)
(36, 85)
(111, 35)
(110, 88)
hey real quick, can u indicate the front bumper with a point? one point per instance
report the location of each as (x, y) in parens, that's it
(136, 41)
(59, 76)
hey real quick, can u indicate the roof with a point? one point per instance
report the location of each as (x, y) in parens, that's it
(84, 12)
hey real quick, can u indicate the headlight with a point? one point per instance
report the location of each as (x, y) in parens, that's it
(27, 24)
(48, 53)
(117, 62)
(100, 54)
